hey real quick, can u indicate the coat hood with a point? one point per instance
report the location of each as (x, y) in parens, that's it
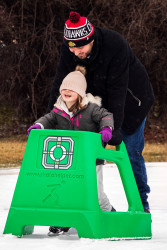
(92, 99)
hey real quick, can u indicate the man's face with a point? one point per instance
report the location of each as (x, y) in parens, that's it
(82, 52)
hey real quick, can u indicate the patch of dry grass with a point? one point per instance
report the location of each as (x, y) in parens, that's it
(155, 152)
(12, 151)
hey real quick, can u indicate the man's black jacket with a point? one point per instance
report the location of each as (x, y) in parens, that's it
(114, 74)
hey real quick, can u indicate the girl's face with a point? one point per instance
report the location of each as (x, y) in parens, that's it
(69, 97)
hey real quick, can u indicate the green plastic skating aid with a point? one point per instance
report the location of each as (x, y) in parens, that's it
(57, 186)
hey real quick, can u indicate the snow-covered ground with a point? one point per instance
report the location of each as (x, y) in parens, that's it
(157, 177)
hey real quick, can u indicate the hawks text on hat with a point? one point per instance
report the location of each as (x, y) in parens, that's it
(78, 30)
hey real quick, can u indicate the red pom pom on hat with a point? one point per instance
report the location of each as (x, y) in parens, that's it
(74, 17)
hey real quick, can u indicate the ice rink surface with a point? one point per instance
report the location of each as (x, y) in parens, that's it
(39, 240)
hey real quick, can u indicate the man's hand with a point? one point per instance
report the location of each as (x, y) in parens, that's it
(116, 138)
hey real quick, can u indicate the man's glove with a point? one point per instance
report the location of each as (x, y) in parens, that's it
(106, 133)
(35, 126)
(116, 138)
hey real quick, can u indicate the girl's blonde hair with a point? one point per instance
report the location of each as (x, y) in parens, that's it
(77, 105)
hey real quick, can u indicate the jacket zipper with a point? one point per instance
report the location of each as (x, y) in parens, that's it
(137, 99)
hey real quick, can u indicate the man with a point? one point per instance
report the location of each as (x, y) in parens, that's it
(118, 77)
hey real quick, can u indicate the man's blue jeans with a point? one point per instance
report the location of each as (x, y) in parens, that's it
(135, 145)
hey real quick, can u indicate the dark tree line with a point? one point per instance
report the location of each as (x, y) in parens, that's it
(31, 33)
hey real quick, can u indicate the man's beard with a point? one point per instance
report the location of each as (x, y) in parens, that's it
(86, 55)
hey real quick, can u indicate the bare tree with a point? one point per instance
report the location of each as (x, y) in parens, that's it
(31, 33)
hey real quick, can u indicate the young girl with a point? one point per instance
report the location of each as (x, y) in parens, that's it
(76, 110)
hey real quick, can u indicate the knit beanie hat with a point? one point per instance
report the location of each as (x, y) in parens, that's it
(78, 31)
(75, 81)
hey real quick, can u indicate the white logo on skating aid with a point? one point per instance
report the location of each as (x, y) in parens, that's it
(57, 152)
